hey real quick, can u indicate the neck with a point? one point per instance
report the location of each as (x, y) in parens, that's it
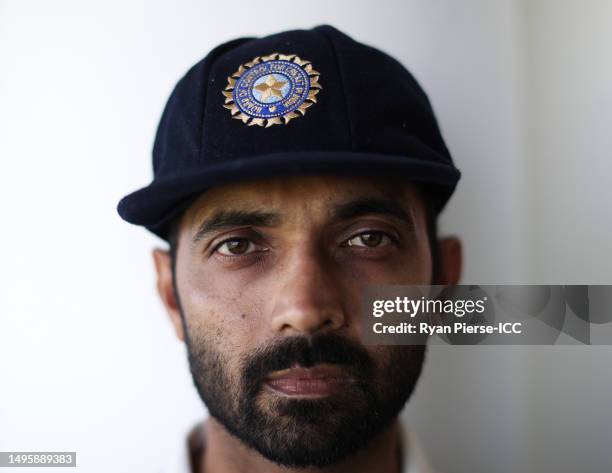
(224, 453)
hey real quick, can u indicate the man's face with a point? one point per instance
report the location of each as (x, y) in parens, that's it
(269, 275)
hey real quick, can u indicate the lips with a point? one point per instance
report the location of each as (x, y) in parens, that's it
(320, 380)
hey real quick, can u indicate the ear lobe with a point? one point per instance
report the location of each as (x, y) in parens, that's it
(165, 289)
(451, 261)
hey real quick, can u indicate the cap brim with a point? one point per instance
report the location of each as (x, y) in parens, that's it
(156, 205)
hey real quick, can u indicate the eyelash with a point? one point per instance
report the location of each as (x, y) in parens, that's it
(392, 238)
(228, 240)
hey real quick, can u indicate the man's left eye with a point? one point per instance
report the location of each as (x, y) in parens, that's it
(235, 247)
(369, 240)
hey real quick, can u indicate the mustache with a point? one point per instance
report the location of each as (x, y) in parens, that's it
(307, 352)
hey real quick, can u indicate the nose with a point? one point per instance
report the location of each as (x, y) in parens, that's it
(308, 298)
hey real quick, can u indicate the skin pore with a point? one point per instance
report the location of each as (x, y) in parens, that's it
(268, 283)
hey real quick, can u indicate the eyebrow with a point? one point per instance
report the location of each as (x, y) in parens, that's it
(356, 208)
(235, 218)
(380, 206)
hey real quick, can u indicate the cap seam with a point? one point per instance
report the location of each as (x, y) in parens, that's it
(214, 56)
(342, 87)
(205, 92)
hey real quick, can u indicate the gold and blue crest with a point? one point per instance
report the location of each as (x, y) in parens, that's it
(271, 90)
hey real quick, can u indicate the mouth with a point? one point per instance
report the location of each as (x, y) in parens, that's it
(318, 381)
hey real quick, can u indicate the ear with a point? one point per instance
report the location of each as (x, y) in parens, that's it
(163, 266)
(451, 261)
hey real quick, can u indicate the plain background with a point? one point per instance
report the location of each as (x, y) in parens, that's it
(88, 360)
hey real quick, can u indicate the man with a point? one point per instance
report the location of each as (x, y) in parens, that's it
(290, 171)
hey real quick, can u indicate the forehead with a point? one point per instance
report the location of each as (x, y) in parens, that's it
(302, 195)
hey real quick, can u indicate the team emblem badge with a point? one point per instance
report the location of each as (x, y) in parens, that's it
(271, 90)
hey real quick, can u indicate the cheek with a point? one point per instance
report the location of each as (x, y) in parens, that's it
(224, 310)
(406, 267)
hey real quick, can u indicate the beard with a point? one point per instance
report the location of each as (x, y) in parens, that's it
(305, 432)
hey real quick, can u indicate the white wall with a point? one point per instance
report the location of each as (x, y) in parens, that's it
(569, 143)
(88, 359)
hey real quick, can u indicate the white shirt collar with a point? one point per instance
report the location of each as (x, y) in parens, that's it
(413, 456)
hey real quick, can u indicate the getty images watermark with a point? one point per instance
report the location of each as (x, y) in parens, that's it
(487, 315)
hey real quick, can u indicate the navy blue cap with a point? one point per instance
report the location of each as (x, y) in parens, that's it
(297, 102)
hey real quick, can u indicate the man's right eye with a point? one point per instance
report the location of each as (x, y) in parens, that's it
(235, 247)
